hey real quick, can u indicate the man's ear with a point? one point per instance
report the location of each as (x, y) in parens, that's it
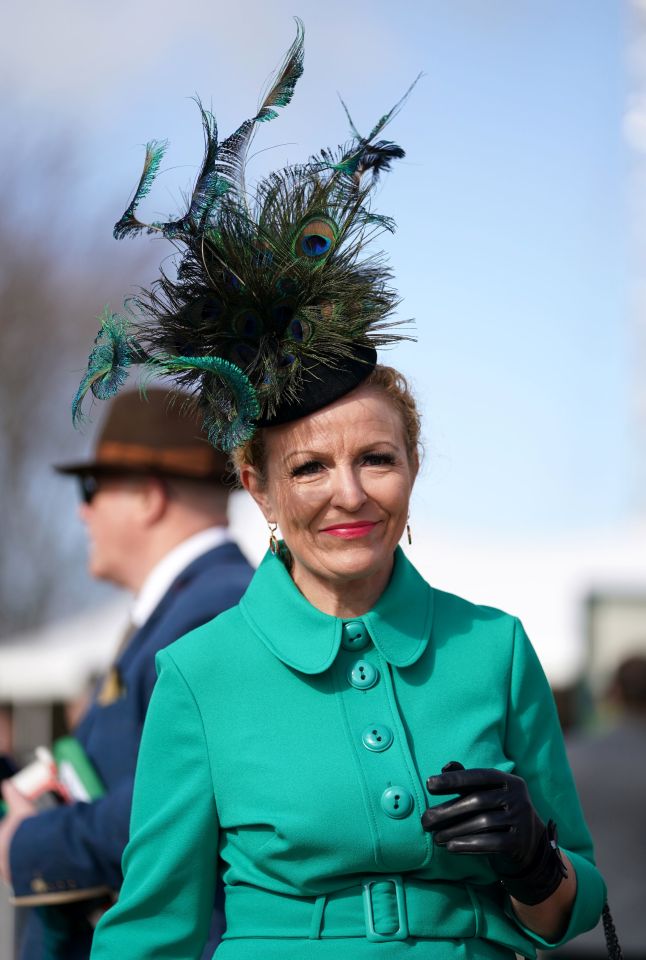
(153, 500)
(257, 488)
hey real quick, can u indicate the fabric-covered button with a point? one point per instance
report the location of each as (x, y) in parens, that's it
(396, 802)
(354, 635)
(363, 675)
(377, 737)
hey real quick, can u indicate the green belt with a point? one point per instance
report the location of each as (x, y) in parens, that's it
(379, 908)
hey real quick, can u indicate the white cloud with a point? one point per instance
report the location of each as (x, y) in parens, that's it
(634, 123)
(78, 51)
(74, 48)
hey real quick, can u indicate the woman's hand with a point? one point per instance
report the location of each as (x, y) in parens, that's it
(493, 815)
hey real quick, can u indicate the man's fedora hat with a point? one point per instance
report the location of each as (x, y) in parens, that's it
(158, 433)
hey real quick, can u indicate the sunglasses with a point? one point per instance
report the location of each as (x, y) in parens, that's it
(90, 484)
(88, 487)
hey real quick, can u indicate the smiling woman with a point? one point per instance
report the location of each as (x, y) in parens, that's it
(299, 729)
(296, 747)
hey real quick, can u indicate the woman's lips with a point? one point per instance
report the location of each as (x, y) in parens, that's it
(350, 531)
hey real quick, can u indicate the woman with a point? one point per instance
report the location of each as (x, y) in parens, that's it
(304, 722)
(290, 739)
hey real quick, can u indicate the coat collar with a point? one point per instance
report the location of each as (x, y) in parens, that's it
(308, 640)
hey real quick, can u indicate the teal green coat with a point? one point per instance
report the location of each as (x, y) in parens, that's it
(290, 750)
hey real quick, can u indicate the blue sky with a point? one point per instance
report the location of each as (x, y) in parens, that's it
(513, 249)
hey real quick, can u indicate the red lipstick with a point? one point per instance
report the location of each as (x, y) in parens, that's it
(350, 531)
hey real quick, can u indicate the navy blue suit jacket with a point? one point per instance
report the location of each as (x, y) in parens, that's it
(77, 848)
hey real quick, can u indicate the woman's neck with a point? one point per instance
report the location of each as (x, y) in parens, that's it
(341, 598)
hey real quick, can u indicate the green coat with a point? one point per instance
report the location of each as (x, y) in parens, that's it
(297, 745)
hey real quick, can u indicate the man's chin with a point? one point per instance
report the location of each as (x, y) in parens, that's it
(96, 569)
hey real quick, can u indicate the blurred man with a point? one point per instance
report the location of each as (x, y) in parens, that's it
(610, 773)
(154, 503)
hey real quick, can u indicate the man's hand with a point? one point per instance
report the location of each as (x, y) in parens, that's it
(18, 809)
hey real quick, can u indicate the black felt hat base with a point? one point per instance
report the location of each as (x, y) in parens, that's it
(322, 385)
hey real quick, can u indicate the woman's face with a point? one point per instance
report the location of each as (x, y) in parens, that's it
(338, 483)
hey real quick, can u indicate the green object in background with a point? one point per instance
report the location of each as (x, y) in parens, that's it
(76, 771)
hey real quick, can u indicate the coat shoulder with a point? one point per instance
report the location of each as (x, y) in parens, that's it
(220, 577)
(198, 653)
(217, 584)
(456, 607)
(464, 625)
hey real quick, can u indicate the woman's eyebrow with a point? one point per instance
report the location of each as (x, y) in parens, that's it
(310, 454)
(313, 454)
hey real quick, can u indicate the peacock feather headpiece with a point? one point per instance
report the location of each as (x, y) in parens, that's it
(275, 309)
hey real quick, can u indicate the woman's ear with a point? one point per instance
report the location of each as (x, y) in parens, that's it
(255, 485)
(414, 465)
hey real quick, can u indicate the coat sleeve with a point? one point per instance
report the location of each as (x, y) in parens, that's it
(170, 863)
(72, 848)
(534, 742)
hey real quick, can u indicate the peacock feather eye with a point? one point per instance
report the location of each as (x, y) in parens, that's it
(286, 285)
(248, 323)
(243, 355)
(299, 330)
(263, 257)
(281, 315)
(315, 240)
(211, 310)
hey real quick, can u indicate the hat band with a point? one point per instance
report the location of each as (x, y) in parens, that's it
(192, 461)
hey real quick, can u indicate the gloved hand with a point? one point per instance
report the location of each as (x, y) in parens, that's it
(493, 815)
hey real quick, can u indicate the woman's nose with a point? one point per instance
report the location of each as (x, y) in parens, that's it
(348, 491)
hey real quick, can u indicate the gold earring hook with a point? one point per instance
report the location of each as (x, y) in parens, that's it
(273, 541)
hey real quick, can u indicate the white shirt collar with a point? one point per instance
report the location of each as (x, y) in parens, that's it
(164, 573)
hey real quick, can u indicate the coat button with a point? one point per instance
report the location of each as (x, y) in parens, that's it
(354, 635)
(363, 675)
(396, 802)
(377, 737)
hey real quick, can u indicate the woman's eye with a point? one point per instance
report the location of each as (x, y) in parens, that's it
(378, 459)
(307, 469)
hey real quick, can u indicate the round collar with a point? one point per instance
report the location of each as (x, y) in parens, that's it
(308, 639)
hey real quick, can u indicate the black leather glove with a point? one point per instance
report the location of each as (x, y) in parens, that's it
(493, 815)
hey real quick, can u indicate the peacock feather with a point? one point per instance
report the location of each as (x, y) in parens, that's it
(114, 350)
(225, 390)
(270, 281)
(129, 225)
(223, 164)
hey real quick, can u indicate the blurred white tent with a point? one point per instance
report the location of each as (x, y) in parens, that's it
(55, 662)
(548, 583)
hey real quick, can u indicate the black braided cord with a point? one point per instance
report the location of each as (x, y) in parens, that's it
(612, 940)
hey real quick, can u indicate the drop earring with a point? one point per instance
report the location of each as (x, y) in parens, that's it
(273, 542)
(408, 533)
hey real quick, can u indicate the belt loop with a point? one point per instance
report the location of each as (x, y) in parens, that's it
(317, 918)
(477, 910)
